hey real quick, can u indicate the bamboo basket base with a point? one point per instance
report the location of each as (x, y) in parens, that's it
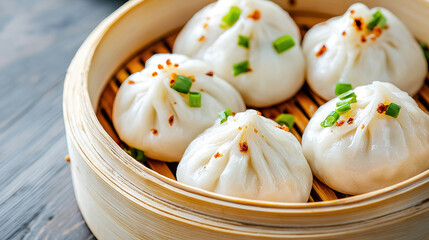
(302, 106)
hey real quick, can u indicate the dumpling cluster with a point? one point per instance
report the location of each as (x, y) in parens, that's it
(170, 102)
(363, 140)
(381, 140)
(247, 156)
(253, 44)
(362, 46)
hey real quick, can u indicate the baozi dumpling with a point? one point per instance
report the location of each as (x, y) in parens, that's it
(253, 44)
(153, 112)
(368, 148)
(247, 156)
(362, 46)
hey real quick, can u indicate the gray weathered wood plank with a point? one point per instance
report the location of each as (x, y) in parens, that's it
(37, 42)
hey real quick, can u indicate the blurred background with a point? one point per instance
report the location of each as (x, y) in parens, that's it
(38, 39)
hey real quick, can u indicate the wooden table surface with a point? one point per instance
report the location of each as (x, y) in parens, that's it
(38, 39)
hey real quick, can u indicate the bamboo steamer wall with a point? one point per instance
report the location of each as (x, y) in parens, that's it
(122, 199)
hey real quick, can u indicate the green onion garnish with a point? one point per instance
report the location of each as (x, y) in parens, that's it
(195, 99)
(341, 88)
(343, 108)
(348, 94)
(425, 49)
(286, 119)
(243, 41)
(345, 101)
(241, 67)
(231, 17)
(330, 119)
(377, 19)
(137, 154)
(283, 43)
(182, 84)
(393, 110)
(224, 115)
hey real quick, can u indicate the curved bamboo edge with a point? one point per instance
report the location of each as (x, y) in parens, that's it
(149, 194)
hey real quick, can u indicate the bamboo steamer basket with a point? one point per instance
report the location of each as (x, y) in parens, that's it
(121, 198)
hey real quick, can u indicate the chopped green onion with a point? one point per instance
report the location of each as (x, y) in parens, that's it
(286, 119)
(330, 120)
(241, 67)
(137, 154)
(348, 94)
(341, 88)
(224, 115)
(425, 49)
(231, 17)
(283, 43)
(393, 110)
(182, 84)
(343, 108)
(348, 100)
(377, 19)
(195, 99)
(243, 41)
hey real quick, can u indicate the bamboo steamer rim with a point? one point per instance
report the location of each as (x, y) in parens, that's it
(81, 65)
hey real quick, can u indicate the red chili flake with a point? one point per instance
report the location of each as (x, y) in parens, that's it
(321, 51)
(131, 82)
(192, 77)
(363, 126)
(249, 70)
(172, 81)
(154, 74)
(154, 131)
(168, 62)
(283, 127)
(210, 74)
(358, 24)
(255, 130)
(239, 128)
(206, 25)
(218, 155)
(363, 38)
(175, 103)
(176, 65)
(262, 136)
(352, 11)
(174, 76)
(244, 126)
(382, 108)
(202, 38)
(160, 67)
(202, 90)
(350, 121)
(256, 15)
(259, 113)
(386, 27)
(377, 31)
(171, 120)
(339, 123)
(344, 33)
(243, 147)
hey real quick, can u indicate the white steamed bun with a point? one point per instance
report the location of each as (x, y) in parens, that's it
(370, 150)
(247, 156)
(344, 49)
(271, 77)
(150, 115)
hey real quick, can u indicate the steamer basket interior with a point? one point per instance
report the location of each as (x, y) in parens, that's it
(302, 106)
